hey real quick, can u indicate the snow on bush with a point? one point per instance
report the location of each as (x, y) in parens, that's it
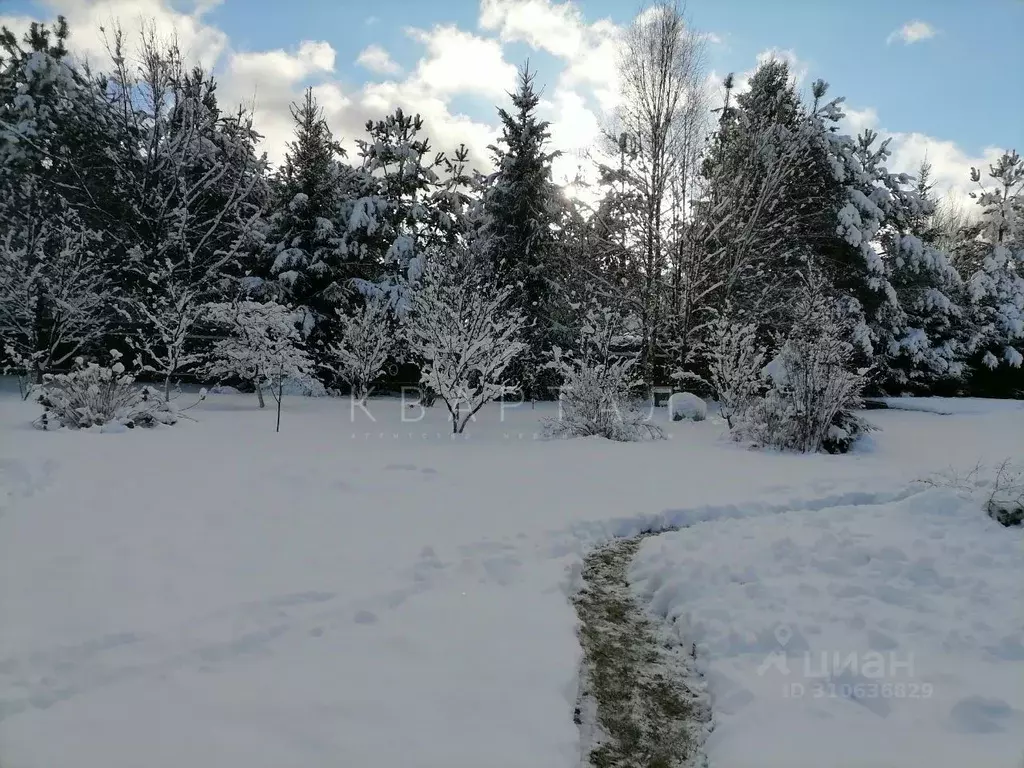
(224, 389)
(736, 365)
(263, 347)
(599, 385)
(1005, 503)
(813, 388)
(303, 386)
(1000, 489)
(366, 343)
(687, 406)
(92, 395)
(460, 325)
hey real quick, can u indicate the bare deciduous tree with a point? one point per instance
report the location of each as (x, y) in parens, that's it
(662, 121)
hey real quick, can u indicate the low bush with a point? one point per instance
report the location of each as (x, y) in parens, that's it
(92, 395)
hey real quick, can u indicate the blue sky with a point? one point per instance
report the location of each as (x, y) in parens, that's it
(949, 88)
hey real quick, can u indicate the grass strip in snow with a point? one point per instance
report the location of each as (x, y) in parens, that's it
(635, 709)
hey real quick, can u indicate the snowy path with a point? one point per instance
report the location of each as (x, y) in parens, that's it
(218, 594)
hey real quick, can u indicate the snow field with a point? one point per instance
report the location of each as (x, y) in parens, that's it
(357, 592)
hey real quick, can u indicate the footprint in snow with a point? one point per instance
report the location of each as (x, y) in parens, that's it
(977, 714)
(426, 471)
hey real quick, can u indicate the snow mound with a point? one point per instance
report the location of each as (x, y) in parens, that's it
(223, 390)
(307, 388)
(687, 406)
(888, 631)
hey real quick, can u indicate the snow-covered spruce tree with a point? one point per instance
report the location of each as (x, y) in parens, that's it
(366, 341)
(520, 214)
(263, 347)
(306, 231)
(995, 265)
(601, 382)
(770, 198)
(55, 295)
(389, 224)
(813, 384)
(464, 332)
(903, 287)
(736, 362)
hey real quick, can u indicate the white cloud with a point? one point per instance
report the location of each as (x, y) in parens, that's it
(575, 131)
(557, 28)
(376, 59)
(199, 42)
(311, 58)
(912, 32)
(586, 90)
(950, 164)
(857, 121)
(454, 63)
(461, 62)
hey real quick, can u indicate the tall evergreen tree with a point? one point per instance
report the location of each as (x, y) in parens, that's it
(519, 234)
(903, 288)
(305, 236)
(772, 195)
(394, 222)
(995, 268)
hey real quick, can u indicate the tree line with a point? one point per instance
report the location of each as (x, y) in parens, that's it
(137, 212)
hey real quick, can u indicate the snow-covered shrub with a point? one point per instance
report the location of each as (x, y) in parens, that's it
(736, 364)
(263, 346)
(599, 385)
(224, 389)
(460, 325)
(92, 395)
(366, 343)
(303, 386)
(813, 388)
(1000, 489)
(687, 406)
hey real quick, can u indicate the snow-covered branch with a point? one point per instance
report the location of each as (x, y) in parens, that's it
(462, 329)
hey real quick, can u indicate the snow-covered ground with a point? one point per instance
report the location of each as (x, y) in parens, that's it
(887, 634)
(363, 593)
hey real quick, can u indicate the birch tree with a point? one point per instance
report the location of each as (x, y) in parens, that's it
(661, 121)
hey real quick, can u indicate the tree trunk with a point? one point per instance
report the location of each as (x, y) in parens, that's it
(40, 330)
(259, 393)
(167, 388)
(280, 397)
